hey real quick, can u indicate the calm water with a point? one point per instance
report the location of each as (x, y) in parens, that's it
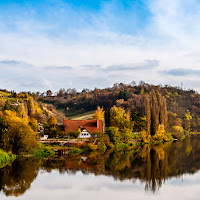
(167, 171)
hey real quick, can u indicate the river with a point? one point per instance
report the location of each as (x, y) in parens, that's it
(164, 171)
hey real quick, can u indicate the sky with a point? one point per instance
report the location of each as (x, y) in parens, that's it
(53, 44)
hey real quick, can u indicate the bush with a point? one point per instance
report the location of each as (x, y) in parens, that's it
(101, 146)
(161, 135)
(74, 134)
(92, 147)
(75, 151)
(43, 151)
(6, 158)
(121, 146)
(178, 132)
(144, 136)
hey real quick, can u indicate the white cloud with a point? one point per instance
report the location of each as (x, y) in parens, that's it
(171, 38)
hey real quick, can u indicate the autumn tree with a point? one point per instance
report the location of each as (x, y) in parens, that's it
(187, 120)
(7, 106)
(99, 114)
(17, 135)
(52, 121)
(119, 117)
(156, 112)
(49, 93)
(31, 106)
(22, 111)
(139, 121)
(61, 92)
(34, 124)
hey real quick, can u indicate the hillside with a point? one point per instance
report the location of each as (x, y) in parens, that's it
(132, 98)
(83, 116)
(41, 112)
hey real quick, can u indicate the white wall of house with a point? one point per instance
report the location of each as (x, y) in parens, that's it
(84, 134)
(45, 137)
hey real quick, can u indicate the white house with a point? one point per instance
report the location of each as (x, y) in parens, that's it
(84, 134)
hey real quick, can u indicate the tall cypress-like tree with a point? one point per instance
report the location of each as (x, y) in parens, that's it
(31, 107)
(156, 112)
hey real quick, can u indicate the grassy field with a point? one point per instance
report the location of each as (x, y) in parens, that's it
(83, 116)
(4, 95)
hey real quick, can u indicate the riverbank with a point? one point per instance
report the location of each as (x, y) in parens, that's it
(75, 148)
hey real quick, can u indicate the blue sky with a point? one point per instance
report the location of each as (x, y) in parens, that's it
(86, 44)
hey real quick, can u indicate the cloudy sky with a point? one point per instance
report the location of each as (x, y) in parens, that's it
(53, 44)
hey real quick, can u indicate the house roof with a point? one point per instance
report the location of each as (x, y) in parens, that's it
(89, 125)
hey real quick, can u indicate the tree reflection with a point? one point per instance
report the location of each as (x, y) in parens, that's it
(17, 178)
(150, 164)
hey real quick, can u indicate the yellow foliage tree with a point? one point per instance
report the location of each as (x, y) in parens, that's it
(144, 136)
(161, 134)
(188, 118)
(188, 115)
(52, 121)
(99, 114)
(31, 106)
(120, 118)
(18, 135)
(34, 124)
(38, 109)
(178, 131)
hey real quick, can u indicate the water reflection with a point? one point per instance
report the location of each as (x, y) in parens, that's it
(17, 178)
(150, 164)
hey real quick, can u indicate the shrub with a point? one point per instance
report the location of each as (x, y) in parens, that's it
(92, 146)
(161, 135)
(144, 136)
(43, 151)
(101, 146)
(121, 145)
(75, 151)
(178, 132)
(74, 134)
(6, 158)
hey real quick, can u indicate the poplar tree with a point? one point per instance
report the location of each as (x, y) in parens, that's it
(156, 112)
(31, 107)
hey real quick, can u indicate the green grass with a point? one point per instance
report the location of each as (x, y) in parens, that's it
(83, 116)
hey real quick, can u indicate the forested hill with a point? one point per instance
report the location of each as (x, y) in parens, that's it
(180, 102)
(26, 104)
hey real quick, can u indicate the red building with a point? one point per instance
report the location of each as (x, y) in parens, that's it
(87, 127)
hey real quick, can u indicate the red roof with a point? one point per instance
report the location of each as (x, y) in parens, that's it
(89, 125)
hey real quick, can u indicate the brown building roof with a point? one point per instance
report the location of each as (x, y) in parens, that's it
(91, 126)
